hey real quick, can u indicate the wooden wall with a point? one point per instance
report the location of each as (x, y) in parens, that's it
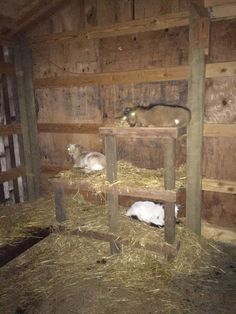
(147, 50)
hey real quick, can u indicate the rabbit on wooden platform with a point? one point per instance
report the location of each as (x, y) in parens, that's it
(157, 116)
(88, 161)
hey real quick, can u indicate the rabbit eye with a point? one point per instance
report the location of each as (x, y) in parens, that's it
(124, 118)
(132, 114)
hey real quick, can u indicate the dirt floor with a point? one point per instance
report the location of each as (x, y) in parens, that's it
(69, 274)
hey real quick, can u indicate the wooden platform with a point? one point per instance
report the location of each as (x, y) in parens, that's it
(147, 133)
(135, 192)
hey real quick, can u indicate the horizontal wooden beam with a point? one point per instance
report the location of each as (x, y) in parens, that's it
(12, 174)
(213, 3)
(144, 193)
(9, 129)
(221, 186)
(78, 128)
(143, 132)
(210, 129)
(219, 130)
(137, 76)
(224, 11)
(221, 69)
(126, 77)
(7, 68)
(118, 29)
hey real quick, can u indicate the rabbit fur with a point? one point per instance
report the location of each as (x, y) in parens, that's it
(149, 212)
(88, 161)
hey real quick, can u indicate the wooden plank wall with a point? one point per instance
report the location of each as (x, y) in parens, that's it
(140, 51)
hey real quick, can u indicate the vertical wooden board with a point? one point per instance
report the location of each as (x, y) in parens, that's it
(219, 208)
(66, 59)
(91, 18)
(219, 158)
(195, 130)
(220, 100)
(106, 12)
(59, 204)
(73, 105)
(153, 8)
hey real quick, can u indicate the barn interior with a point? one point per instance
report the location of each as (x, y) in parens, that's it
(68, 72)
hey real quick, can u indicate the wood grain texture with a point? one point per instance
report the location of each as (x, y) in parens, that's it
(222, 69)
(196, 93)
(119, 29)
(143, 132)
(222, 186)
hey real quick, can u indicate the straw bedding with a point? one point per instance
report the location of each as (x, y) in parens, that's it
(128, 175)
(69, 274)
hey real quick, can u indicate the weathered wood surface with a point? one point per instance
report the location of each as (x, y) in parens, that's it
(84, 128)
(210, 129)
(7, 68)
(212, 3)
(172, 132)
(196, 95)
(222, 69)
(224, 11)
(222, 186)
(59, 204)
(111, 195)
(219, 130)
(119, 29)
(12, 174)
(169, 182)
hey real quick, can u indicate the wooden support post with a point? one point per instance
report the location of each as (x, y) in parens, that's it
(112, 196)
(23, 63)
(59, 204)
(196, 90)
(169, 179)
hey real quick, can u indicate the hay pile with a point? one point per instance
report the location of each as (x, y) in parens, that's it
(65, 267)
(18, 221)
(128, 175)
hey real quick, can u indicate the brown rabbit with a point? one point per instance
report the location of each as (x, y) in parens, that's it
(157, 116)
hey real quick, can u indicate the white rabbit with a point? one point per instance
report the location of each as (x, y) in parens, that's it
(149, 212)
(88, 161)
